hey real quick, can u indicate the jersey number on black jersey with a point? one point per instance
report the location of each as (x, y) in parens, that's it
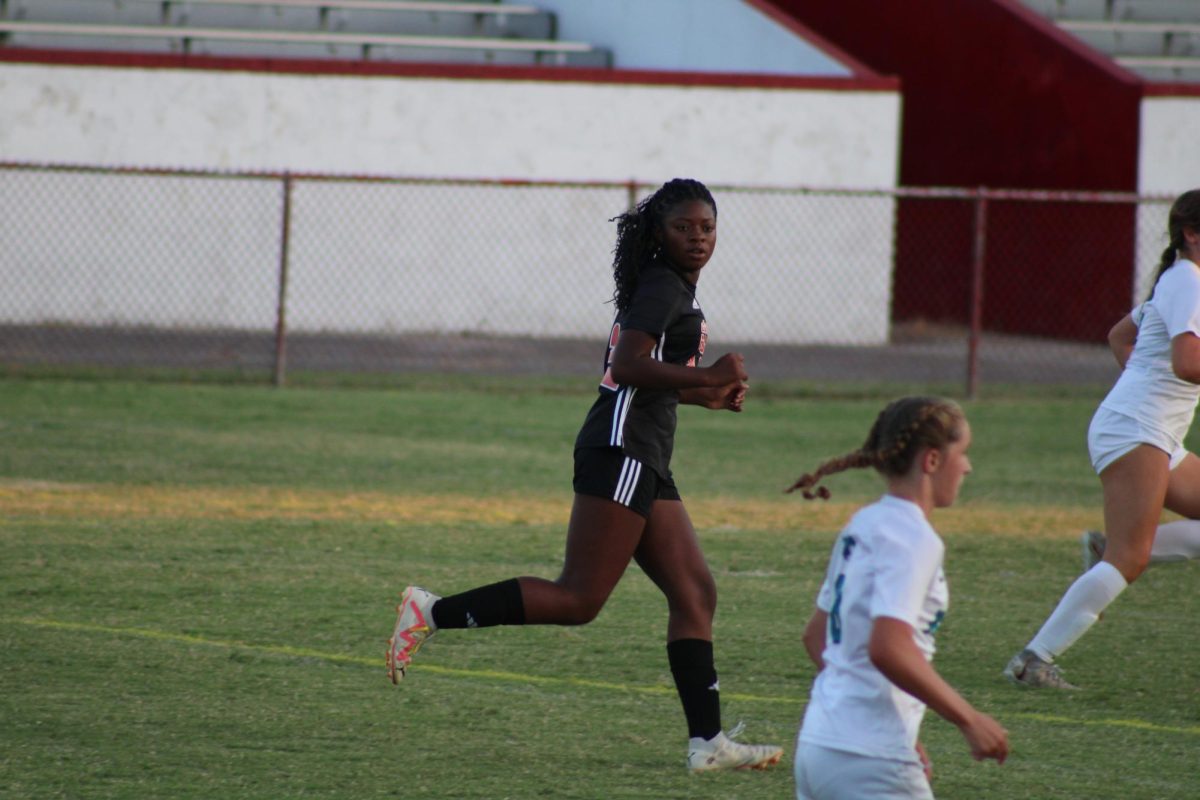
(607, 381)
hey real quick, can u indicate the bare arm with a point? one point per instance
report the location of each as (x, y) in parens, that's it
(895, 654)
(633, 364)
(731, 397)
(1121, 339)
(814, 637)
(1185, 357)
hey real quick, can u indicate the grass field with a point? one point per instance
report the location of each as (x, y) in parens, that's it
(198, 581)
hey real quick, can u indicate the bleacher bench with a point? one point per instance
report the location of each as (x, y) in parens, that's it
(430, 17)
(301, 44)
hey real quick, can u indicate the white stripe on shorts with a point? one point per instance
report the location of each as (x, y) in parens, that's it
(631, 471)
(620, 412)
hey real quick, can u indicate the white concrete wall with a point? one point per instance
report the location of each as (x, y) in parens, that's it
(1168, 164)
(446, 128)
(381, 258)
(1168, 161)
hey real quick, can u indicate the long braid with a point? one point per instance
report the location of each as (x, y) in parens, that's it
(1185, 213)
(865, 456)
(899, 432)
(637, 244)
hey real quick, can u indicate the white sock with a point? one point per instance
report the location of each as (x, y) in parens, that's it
(1176, 541)
(1078, 610)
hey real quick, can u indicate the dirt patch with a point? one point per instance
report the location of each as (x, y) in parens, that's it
(72, 501)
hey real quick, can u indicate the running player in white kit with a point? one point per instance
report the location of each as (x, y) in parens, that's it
(882, 601)
(1136, 445)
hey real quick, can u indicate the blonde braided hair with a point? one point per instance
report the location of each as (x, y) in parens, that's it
(900, 431)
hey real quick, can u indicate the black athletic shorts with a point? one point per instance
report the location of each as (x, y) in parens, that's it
(607, 472)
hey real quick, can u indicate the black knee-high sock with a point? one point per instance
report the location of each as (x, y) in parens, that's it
(495, 604)
(695, 676)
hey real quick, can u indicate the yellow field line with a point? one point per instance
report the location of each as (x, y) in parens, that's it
(1136, 724)
(45, 499)
(541, 680)
(300, 652)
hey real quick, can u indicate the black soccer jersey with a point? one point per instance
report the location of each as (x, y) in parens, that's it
(642, 421)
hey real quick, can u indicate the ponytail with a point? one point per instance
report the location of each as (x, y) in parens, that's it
(1184, 214)
(1168, 259)
(900, 431)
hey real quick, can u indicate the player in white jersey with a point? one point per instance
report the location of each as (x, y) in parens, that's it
(883, 599)
(1136, 445)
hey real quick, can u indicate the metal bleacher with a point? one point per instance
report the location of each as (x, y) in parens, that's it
(437, 31)
(1157, 39)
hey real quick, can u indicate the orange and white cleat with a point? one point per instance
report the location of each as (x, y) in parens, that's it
(414, 626)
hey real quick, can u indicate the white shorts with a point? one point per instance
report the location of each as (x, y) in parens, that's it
(823, 773)
(1113, 434)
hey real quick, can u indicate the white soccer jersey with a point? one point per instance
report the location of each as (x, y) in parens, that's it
(887, 562)
(1148, 389)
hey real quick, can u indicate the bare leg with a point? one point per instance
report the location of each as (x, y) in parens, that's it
(602, 537)
(1135, 489)
(670, 555)
(1180, 540)
(1183, 488)
(1135, 486)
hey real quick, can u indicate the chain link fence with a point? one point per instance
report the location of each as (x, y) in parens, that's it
(268, 276)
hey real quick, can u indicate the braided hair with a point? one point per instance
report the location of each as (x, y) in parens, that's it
(1185, 213)
(636, 229)
(900, 431)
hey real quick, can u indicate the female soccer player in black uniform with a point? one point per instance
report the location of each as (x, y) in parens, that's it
(626, 504)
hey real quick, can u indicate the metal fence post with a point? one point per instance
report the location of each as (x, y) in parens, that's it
(978, 262)
(281, 303)
(631, 189)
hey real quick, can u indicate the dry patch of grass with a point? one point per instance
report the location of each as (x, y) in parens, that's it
(48, 499)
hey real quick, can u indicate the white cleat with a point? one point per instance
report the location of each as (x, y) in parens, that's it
(414, 626)
(1026, 668)
(721, 752)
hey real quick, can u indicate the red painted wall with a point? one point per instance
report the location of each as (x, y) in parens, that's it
(994, 95)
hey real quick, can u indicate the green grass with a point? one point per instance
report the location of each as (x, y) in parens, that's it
(189, 652)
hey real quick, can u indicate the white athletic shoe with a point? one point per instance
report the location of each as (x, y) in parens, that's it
(1092, 543)
(414, 626)
(721, 752)
(1026, 668)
